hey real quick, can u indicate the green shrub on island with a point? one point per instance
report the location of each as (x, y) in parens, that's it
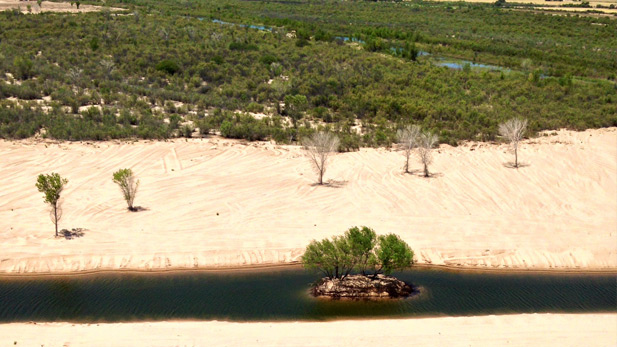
(360, 250)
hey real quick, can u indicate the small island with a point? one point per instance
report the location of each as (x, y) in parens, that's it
(358, 265)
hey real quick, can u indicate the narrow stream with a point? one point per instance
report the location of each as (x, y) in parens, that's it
(283, 295)
(452, 63)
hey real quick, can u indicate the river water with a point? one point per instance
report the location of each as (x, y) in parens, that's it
(283, 295)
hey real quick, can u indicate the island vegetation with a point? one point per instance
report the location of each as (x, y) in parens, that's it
(358, 265)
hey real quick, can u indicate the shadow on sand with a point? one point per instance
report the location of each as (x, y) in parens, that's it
(138, 209)
(73, 233)
(331, 184)
(420, 173)
(510, 165)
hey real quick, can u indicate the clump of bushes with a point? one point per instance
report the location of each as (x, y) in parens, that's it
(168, 66)
(360, 250)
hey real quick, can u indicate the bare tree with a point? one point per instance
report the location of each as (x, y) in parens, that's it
(74, 74)
(164, 34)
(408, 140)
(319, 147)
(513, 130)
(108, 65)
(125, 179)
(426, 142)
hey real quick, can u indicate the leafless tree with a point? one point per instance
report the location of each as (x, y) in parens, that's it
(216, 37)
(108, 65)
(191, 32)
(319, 147)
(164, 34)
(408, 140)
(74, 74)
(513, 130)
(426, 142)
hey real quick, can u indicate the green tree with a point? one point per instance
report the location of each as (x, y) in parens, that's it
(322, 256)
(51, 186)
(295, 105)
(125, 179)
(391, 254)
(361, 243)
(357, 250)
(24, 67)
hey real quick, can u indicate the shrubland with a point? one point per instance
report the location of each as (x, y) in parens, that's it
(164, 69)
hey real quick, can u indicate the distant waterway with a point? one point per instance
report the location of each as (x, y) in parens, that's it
(456, 64)
(283, 295)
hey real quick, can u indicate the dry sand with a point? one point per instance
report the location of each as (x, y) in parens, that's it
(554, 6)
(47, 6)
(593, 3)
(513, 330)
(215, 202)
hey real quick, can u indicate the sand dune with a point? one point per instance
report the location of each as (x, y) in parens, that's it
(216, 202)
(513, 330)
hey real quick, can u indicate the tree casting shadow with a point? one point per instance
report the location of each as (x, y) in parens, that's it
(510, 165)
(420, 173)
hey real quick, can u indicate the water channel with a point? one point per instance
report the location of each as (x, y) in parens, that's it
(270, 295)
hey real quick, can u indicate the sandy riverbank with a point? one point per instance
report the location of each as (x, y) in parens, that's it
(216, 202)
(47, 6)
(511, 330)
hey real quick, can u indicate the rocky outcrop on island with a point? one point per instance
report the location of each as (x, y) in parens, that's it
(362, 287)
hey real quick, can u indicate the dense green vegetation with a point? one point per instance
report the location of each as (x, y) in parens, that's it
(359, 250)
(158, 71)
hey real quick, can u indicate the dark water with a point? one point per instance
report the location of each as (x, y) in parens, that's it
(283, 295)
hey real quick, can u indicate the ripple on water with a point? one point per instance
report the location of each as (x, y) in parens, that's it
(283, 295)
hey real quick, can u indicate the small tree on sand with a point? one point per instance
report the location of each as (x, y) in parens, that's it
(426, 142)
(319, 147)
(125, 179)
(51, 186)
(513, 130)
(40, 3)
(407, 140)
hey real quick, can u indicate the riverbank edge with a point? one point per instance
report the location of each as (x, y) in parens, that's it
(297, 265)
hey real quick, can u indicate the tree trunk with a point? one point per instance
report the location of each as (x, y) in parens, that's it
(407, 164)
(56, 219)
(426, 170)
(321, 176)
(516, 155)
